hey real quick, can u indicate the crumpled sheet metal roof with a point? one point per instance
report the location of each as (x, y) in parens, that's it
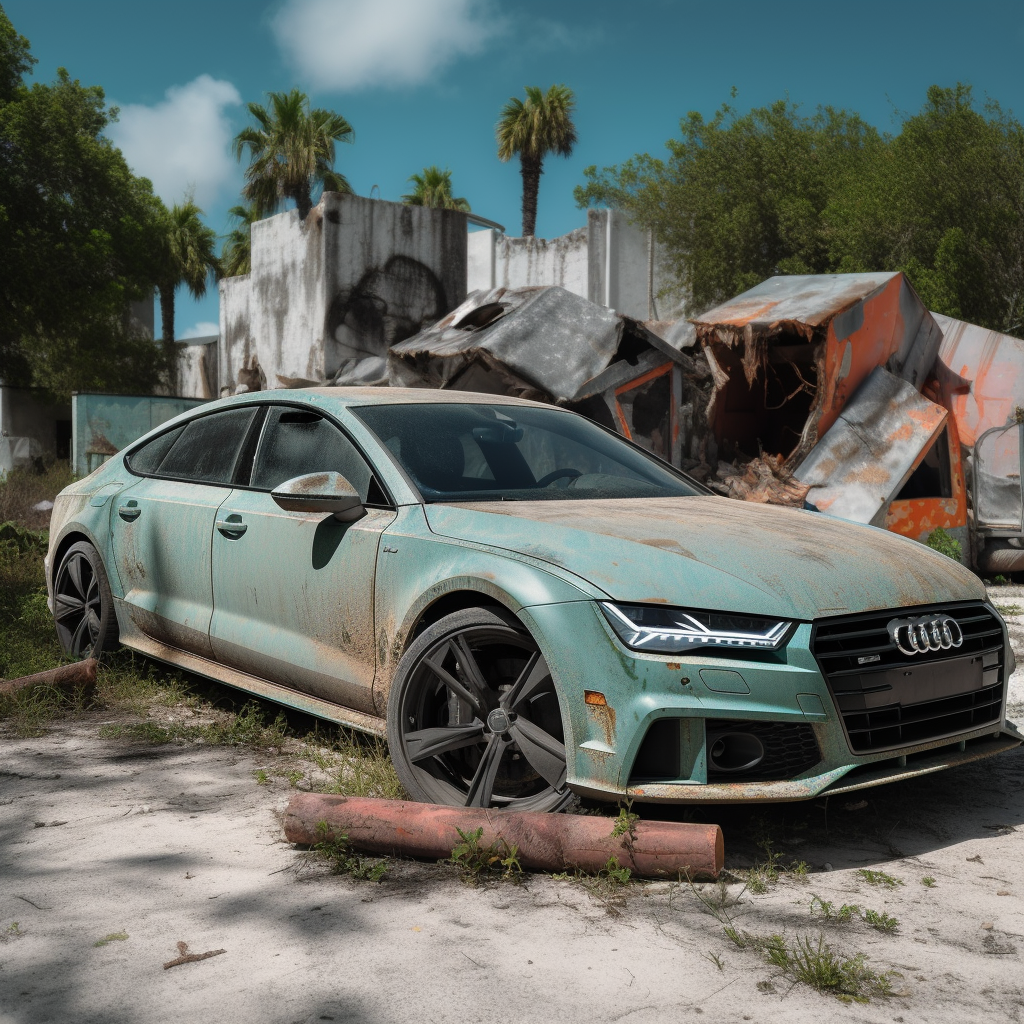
(867, 455)
(809, 300)
(547, 337)
(981, 376)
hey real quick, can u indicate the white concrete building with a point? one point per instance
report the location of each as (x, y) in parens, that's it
(609, 262)
(337, 289)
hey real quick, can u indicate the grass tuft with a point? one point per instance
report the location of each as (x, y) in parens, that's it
(879, 878)
(112, 937)
(477, 862)
(336, 850)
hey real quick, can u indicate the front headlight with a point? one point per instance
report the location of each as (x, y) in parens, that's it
(647, 627)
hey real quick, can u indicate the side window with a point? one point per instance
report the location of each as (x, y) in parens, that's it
(147, 459)
(296, 442)
(207, 449)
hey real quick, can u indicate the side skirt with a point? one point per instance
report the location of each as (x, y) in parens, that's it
(254, 684)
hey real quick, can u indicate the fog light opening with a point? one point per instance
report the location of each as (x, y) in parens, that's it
(734, 751)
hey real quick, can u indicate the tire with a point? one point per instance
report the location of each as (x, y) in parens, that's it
(474, 719)
(83, 607)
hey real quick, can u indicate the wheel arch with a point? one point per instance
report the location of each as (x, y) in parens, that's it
(74, 534)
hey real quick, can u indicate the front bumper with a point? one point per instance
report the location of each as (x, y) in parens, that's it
(603, 742)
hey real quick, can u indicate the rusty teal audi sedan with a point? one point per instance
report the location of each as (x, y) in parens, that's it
(527, 605)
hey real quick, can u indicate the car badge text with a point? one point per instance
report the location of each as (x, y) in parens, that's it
(925, 633)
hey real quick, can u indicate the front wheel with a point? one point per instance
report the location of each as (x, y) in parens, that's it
(474, 720)
(83, 607)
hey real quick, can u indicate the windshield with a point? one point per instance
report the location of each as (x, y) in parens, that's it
(516, 453)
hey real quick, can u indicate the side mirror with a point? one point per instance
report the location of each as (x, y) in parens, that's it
(320, 492)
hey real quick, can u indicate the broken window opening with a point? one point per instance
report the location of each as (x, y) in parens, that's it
(933, 477)
(770, 414)
(645, 409)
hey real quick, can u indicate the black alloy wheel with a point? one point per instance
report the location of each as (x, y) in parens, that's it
(83, 607)
(474, 720)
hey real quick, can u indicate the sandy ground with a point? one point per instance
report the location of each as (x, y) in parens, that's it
(168, 844)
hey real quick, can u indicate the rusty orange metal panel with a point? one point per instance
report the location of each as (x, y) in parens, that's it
(981, 378)
(918, 517)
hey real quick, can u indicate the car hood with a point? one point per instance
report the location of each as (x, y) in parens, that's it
(717, 553)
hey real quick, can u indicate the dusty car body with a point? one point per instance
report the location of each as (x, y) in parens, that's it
(519, 644)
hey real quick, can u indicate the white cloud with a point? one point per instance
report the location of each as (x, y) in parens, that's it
(349, 44)
(203, 329)
(182, 142)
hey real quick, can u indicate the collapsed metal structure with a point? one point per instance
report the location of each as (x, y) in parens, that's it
(842, 391)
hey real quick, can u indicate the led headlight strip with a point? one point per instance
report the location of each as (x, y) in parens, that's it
(671, 630)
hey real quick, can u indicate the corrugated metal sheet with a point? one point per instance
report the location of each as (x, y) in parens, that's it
(797, 300)
(981, 376)
(867, 455)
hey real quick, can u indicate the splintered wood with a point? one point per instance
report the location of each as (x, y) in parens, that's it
(185, 957)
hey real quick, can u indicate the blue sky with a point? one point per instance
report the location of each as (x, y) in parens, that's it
(422, 81)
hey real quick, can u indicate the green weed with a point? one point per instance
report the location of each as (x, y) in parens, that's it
(939, 540)
(261, 777)
(476, 862)
(337, 851)
(11, 932)
(928, 882)
(879, 878)
(881, 921)
(829, 912)
(818, 965)
(112, 937)
(1010, 609)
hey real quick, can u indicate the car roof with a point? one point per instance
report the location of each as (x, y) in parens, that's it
(353, 396)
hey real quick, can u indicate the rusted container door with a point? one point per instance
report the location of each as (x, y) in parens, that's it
(998, 465)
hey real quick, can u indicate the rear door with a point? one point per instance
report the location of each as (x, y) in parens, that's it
(161, 527)
(293, 591)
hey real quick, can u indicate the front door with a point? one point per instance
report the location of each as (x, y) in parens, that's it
(161, 527)
(293, 591)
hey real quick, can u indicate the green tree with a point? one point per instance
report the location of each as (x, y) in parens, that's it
(531, 129)
(78, 232)
(15, 59)
(945, 203)
(291, 151)
(741, 198)
(434, 188)
(188, 257)
(236, 257)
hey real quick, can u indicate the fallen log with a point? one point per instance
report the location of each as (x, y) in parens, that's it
(79, 676)
(545, 842)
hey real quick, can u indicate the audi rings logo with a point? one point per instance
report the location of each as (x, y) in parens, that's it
(925, 633)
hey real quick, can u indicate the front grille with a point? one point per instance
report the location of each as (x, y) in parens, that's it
(898, 701)
(789, 749)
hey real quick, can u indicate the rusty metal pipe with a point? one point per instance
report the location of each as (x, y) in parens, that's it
(545, 842)
(79, 676)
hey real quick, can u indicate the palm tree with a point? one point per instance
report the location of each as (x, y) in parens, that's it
(434, 188)
(291, 151)
(236, 257)
(188, 258)
(532, 129)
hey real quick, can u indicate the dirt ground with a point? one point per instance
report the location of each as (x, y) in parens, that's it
(148, 846)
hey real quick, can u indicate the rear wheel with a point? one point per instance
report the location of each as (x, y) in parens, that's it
(83, 607)
(473, 717)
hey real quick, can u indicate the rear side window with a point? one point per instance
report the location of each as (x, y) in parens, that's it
(204, 450)
(147, 459)
(296, 442)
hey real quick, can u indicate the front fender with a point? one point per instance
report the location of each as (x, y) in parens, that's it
(416, 568)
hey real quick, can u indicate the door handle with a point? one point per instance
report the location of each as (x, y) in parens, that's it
(232, 527)
(130, 512)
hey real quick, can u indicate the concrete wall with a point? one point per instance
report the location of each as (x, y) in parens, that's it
(197, 369)
(614, 274)
(104, 424)
(236, 349)
(25, 412)
(356, 277)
